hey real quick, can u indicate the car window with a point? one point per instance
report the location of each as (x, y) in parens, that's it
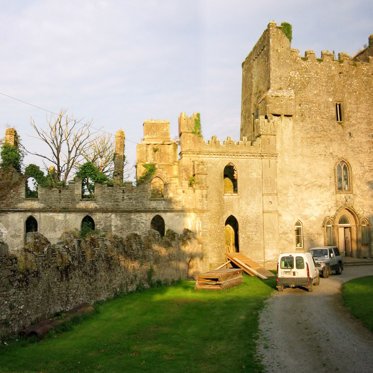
(299, 262)
(336, 251)
(319, 253)
(287, 262)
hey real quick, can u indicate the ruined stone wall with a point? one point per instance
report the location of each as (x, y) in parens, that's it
(45, 279)
(253, 205)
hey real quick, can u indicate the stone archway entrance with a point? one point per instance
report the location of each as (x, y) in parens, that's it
(345, 222)
(231, 235)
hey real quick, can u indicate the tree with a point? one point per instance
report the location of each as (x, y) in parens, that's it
(11, 157)
(68, 139)
(101, 154)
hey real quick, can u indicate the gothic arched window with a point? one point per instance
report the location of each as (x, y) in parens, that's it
(299, 234)
(343, 177)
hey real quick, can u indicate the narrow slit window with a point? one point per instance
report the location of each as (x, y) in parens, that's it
(338, 112)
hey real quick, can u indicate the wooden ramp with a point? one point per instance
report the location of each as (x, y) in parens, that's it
(248, 265)
(219, 279)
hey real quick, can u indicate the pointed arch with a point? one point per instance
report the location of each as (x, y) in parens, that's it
(298, 228)
(157, 187)
(230, 178)
(231, 233)
(346, 224)
(87, 225)
(329, 236)
(343, 177)
(158, 224)
(365, 232)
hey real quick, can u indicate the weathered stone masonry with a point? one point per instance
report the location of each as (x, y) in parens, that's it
(301, 175)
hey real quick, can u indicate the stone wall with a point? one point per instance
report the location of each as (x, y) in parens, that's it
(44, 279)
(301, 99)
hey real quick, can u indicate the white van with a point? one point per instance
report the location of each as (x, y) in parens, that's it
(296, 269)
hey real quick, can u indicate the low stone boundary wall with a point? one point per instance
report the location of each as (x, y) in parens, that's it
(45, 279)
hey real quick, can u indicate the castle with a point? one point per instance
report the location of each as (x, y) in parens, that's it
(300, 176)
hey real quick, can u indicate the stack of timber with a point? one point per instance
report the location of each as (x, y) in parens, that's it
(219, 279)
(251, 267)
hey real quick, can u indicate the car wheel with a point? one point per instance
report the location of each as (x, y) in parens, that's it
(325, 272)
(317, 282)
(339, 269)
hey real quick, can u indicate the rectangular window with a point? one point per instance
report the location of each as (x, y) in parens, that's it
(287, 262)
(338, 112)
(299, 262)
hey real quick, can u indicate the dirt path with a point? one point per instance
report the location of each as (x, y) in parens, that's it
(312, 332)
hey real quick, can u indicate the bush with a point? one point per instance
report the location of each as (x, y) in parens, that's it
(11, 156)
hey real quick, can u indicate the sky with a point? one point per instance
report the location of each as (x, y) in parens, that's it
(118, 63)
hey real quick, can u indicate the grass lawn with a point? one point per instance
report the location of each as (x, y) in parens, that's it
(358, 297)
(165, 329)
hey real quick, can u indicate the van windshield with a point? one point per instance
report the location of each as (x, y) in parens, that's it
(287, 262)
(319, 253)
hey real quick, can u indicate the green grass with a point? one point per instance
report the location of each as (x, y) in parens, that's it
(358, 297)
(166, 329)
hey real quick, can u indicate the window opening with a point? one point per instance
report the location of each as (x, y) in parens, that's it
(298, 234)
(31, 224)
(230, 179)
(157, 188)
(343, 177)
(365, 233)
(338, 111)
(329, 233)
(158, 225)
(87, 226)
(31, 188)
(88, 188)
(344, 220)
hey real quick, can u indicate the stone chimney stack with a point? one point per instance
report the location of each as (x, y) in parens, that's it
(11, 137)
(119, 156)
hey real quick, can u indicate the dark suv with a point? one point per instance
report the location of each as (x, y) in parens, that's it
(327, 259)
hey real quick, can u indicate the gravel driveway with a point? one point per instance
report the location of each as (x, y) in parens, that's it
(312, 332)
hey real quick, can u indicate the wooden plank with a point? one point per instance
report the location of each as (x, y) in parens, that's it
(249, 266)
(219, 286)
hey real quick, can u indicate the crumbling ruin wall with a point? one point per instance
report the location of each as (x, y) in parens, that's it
(45, 279)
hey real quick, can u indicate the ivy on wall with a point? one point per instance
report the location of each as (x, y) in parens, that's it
(197, 125)
(150, 169)
(287, 29)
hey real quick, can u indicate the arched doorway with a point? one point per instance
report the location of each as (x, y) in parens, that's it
(231, 235)
(158, 225)
(345, 221)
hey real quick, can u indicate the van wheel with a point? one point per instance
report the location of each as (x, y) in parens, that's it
(280, 287)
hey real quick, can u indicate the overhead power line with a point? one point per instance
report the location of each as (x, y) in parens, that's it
(52, 112)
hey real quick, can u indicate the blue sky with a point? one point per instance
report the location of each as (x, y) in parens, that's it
(119, 63)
